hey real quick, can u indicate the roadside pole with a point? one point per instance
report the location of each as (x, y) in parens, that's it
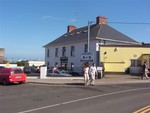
(43, 72)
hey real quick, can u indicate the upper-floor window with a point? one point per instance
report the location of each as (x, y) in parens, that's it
(56, 52)
(64, 51)
(72, 51)
(85, 48)
(47, 52)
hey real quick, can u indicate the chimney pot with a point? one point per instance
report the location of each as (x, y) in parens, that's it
(71, 28)
(101, 20)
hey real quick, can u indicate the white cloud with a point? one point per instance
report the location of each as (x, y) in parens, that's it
(52, 18)
(58, 19)
(73, 20)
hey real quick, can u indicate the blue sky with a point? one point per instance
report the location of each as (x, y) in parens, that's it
(27, 25)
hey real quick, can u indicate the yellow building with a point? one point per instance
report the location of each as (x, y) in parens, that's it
(120, 58)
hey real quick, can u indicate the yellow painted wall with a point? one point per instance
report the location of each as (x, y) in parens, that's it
(117, 59)
(146, 58)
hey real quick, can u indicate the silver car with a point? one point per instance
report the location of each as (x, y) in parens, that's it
(58, 73)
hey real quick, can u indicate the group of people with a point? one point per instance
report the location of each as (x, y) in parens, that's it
(146, 71)
(90, 73)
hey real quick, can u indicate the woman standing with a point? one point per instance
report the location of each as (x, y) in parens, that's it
(146, 70)
(86, 74)
(93, 71)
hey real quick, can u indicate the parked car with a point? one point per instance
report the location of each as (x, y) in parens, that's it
(58, 73)
(12, 75)
(75, 74)
(31, 69)
(27, 69)
(38, 69)
(2, 67)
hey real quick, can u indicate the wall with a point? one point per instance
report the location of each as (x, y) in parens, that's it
(35, 63)
(79, 49)
(8, 65)
(2, 54)
(117, 58)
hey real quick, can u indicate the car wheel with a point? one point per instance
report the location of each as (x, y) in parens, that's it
(22, 82)
(5, 82)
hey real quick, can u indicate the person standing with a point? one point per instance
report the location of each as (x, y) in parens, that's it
(86, 74)
(145, 69)
(93, 72)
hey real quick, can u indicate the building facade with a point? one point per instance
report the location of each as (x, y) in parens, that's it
(68, 50)
(122, 58)
(34, 63)
(2, 55)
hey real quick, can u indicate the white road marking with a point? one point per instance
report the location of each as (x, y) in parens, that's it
(82, 99)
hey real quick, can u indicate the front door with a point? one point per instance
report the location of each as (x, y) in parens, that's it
(64, 62)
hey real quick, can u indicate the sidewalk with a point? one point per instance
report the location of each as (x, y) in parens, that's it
(108, 79)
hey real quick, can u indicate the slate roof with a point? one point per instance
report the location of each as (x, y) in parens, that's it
(97, 31)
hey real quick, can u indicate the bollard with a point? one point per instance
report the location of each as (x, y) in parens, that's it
(100, 72)
(43, 72)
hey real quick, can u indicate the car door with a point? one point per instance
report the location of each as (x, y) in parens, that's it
(57, 73)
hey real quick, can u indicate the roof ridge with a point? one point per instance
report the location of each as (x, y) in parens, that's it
(100, 27)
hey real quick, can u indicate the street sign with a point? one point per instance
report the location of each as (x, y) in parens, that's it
(87, 57)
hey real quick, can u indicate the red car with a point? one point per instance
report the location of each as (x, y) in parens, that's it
(12, 75)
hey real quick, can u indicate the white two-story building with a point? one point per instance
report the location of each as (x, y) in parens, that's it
(70, 49)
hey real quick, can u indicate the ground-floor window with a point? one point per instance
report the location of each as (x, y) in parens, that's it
(47, 64)
(56, 64)
(72, 66)
(136, 63)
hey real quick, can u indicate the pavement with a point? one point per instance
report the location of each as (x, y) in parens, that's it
(108, 79)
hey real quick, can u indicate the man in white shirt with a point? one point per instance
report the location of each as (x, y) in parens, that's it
(93, 71)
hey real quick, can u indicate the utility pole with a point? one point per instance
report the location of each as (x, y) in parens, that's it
(88, 41)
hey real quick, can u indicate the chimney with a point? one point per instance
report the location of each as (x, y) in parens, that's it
(71, 28)
(101, 20)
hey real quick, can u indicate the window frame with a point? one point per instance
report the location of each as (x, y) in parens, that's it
(63, 51)
(48, 53)
(56, 52)
(85, 48)
(135, 63)
(72, 52)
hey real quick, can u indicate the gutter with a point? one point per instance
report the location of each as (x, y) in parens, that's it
(119, 41)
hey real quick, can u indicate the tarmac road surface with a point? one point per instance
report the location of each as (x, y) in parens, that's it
(45, 98)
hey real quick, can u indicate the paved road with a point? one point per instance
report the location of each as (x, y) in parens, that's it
(44, 98)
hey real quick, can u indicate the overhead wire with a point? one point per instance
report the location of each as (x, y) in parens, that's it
(144, 23)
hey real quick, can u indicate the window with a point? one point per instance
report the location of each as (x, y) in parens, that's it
(17, 71)
(72, 51)
(85, 47)
(47, 64)
(56, 52)
(139, 62)
(56, 64)
(47, 52)
(132, 63)
(72, 66)
(135, 63)
(64, 51)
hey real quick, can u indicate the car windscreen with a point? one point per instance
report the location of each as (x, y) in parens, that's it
(16, 71)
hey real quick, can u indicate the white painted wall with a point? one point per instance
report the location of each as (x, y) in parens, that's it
(79, 49)
(35, 63)
(9, 65)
